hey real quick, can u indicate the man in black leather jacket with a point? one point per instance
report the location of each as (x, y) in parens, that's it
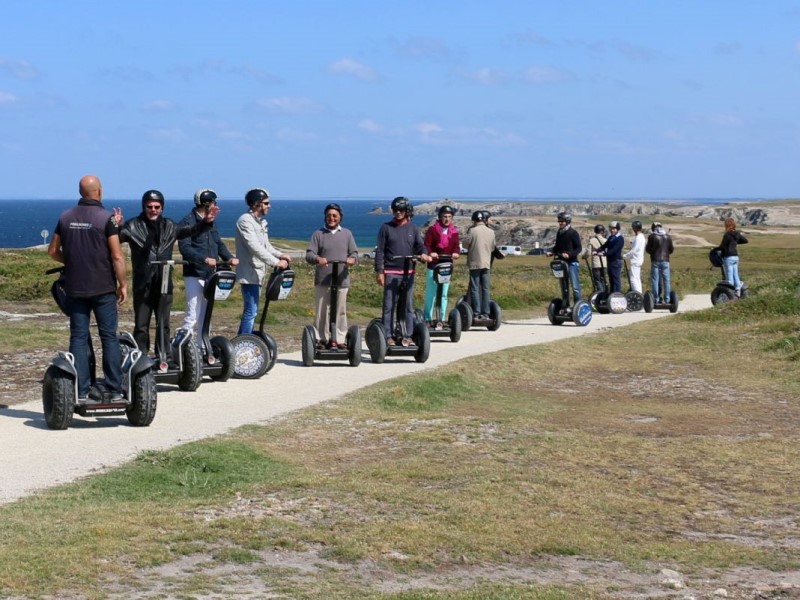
(152, 237)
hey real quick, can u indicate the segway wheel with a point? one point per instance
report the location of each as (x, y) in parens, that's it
(58, 398)
(250, 356)
(189, 379)
(635, 301)
(223, 352)
(722, 295)
(422, 339)
(419, 316)
(454, 322)
(495, 316)
(648, 301)
(673, 302)
(594, 300)
(309, 344)
(142, 409)
(582, 313)
(354, 346)
(744, 292)
(616, 303)
(376, 341)
(553, 310)
(272, 349)
(467, 314)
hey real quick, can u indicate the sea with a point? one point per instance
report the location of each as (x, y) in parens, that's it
(30, 222)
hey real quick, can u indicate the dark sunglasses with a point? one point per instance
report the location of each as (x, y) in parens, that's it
(153, 207)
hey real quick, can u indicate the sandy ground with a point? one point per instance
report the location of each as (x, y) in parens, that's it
(35, 458)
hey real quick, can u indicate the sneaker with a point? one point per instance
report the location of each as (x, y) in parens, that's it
(322, 344)
(407, 342)
(439, 325)
(391, 342)
(333, 345)
(342, 346)
(115, 397)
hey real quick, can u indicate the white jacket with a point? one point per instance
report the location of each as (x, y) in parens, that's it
(636, 253)
(253, 250)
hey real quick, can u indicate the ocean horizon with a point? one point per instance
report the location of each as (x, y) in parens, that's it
(24, 220)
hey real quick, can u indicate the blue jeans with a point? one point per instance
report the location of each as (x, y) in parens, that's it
(731, 266)
(250, 295)
(575, 278)
(104, 308)
(660, 269)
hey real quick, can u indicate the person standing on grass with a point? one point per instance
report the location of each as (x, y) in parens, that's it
(730, 254)
(331, 242)
(568, 248)
(636, 256)
(255, 254)
(441, 238)
(86, 241)
(201, 251)
(612, 250)
(659, 247)
(396, 239)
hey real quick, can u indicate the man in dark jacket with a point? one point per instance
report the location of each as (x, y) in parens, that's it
(612, 250)
(152, 237)
(659, 247)
(568, 247)
(201, 251)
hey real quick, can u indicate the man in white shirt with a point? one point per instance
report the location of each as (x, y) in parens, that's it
(636, 256)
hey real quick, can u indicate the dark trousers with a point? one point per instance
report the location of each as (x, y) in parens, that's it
(104, 308)
(599, 278)
(391, 296)
(615, 274)
(479, 298)
(144, 306)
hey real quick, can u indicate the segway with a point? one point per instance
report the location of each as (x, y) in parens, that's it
(60, 383)
(254, 354)
(351, 350)
(603, 301)
(177, 361)
(724, 291)
(652, 303)
(377, 338)
(467, 312)
(438, 327)
(560, 310)
(216, 352)
(634, 299)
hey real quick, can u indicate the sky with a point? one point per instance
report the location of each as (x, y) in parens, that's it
(629, 99)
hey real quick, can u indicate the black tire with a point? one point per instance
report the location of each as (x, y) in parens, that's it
(422, 338)
(223, 352)
(467, 314)
(272, 350)
(454, 322)
(552, 312)
(192, 373)
(419, 316)
(582, 310)
(496, 315)
(744, 292)
(594, 301)
(635, 301)
(354, 345)
(58, 398)
(673, 302)
(142, 409)
(250, 356)
(308, 344)
(722, 295)
(648, 301)
(376, 341)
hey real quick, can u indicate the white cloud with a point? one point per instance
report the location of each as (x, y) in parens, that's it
(375, 128)
(285, 104)
(296, 135)
(158, 106)
(353, 68)
(169, 135)
(433, 133)
(486, 76)
(20, 69)
(6, 98)
(540, 75)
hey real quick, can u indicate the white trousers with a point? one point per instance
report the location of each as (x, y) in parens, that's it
(195, 303)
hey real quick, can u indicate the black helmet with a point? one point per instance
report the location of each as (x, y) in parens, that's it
(479, 216)
(486, 215)
(600, 229)
(255, 196)
(204, 196)
(564, 216)
(336, 207)
(445, 210)
(152, 196)
(636, 225)
(404, 204)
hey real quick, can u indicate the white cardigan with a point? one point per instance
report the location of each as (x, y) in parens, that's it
(253, 250)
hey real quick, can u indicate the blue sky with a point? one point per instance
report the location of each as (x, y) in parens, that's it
(315, 99)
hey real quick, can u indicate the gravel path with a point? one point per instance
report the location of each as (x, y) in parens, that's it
(35, 458)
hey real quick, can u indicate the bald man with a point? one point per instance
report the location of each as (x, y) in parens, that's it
(86, 241)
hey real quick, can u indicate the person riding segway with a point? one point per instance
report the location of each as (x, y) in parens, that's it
(444, 244)
(477, 307)
(634, 273)
(566, 268)
(659, 247)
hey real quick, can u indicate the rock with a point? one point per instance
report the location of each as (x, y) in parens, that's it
(720, 593)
